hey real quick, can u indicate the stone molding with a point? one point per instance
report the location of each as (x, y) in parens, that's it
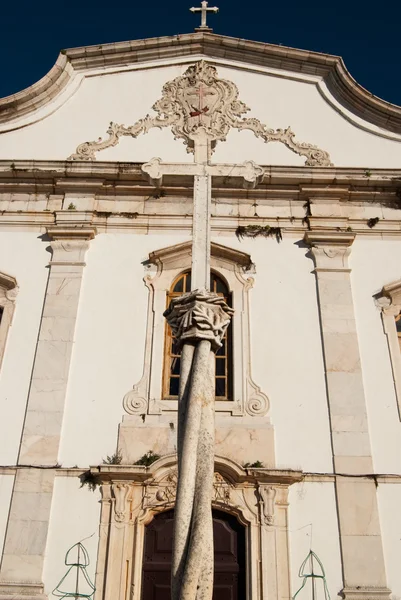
(389, 303)
(236, 268)
(8, 294)
(74, 62)
(27, 591)
(177, 110)
(356, 498)
(44, 415)
(257, 497)
(330, 250)
(365, 593)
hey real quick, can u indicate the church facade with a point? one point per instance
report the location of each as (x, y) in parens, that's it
(97, 174)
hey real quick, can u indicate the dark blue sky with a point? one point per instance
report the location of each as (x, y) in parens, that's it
(366, 34)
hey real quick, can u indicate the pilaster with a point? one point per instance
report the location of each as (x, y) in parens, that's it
(26, 536)
(360, 534)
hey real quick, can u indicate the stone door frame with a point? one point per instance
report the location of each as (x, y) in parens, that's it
(132, 495)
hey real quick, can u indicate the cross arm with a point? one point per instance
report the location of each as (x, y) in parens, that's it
(249, 172)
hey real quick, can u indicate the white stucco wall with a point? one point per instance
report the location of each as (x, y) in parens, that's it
(84, 110)
(109, 344)
(108, 354)
(75, 517)
(287, 353)
(313, 526)
(389, 496)
(22, 255)
(376, 263)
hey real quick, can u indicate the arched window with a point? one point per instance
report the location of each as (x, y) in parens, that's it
(172, 353)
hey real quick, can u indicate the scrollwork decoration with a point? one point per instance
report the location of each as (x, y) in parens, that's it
(198, 101)
(121, 492)
(257, 404)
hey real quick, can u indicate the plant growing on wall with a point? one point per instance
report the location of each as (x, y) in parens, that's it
(253, 231)
(114, 459)
(147, 459)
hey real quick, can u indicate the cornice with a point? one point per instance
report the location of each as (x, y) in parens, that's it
(71, 233)
(329, 238)
(231, 470)
(121, 54)
(7, 282)
(97, 174)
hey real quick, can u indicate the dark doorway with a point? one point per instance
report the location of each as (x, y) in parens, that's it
(229, 557)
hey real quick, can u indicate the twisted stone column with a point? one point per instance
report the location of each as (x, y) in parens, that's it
(199, 320)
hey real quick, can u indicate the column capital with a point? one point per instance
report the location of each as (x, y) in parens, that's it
(330, 250)
(199, 315)
(69, 245)
(71, 233)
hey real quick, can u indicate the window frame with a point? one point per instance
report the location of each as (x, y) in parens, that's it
(389, 303)
(8, 294)
(236, 269)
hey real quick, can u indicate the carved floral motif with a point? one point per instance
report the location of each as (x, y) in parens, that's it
(199, 101)
(199, 315)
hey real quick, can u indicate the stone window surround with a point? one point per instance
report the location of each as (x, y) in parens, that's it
(8, 294)
(133, 495)
(389, 302)
(163, 267)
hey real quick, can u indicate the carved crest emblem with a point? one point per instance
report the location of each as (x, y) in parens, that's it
(200, 101)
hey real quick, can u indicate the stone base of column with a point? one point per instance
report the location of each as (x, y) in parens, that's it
(366, 593)
(11, 590)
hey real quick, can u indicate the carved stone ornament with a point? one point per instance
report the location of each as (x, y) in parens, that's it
(121, 492)
(199, 101)
(267, 500)
(199, 315)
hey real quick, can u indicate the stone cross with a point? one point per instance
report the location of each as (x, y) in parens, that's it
(248, 172)
(204, 10)
(199, 320)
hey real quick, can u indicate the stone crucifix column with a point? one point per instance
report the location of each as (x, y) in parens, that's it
(199, 320)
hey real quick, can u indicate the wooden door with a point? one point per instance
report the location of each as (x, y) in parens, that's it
(229, 558)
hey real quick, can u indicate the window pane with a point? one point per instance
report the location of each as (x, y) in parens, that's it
(172, 362)
(220, 366)
(175, 347)
(398, 323)
(188, 283)
(174, 383)
(220, 387)
(221, 287)
(221, 351)
(179, 286)
(175, 366)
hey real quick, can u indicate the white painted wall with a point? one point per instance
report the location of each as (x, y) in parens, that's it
(376, 263)
(313, 525)
(109, 344)
(108, 354)
(287, 353)
(6, 488)
(389, 496)
(22, 255)
(84, 111)
(75, 517)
